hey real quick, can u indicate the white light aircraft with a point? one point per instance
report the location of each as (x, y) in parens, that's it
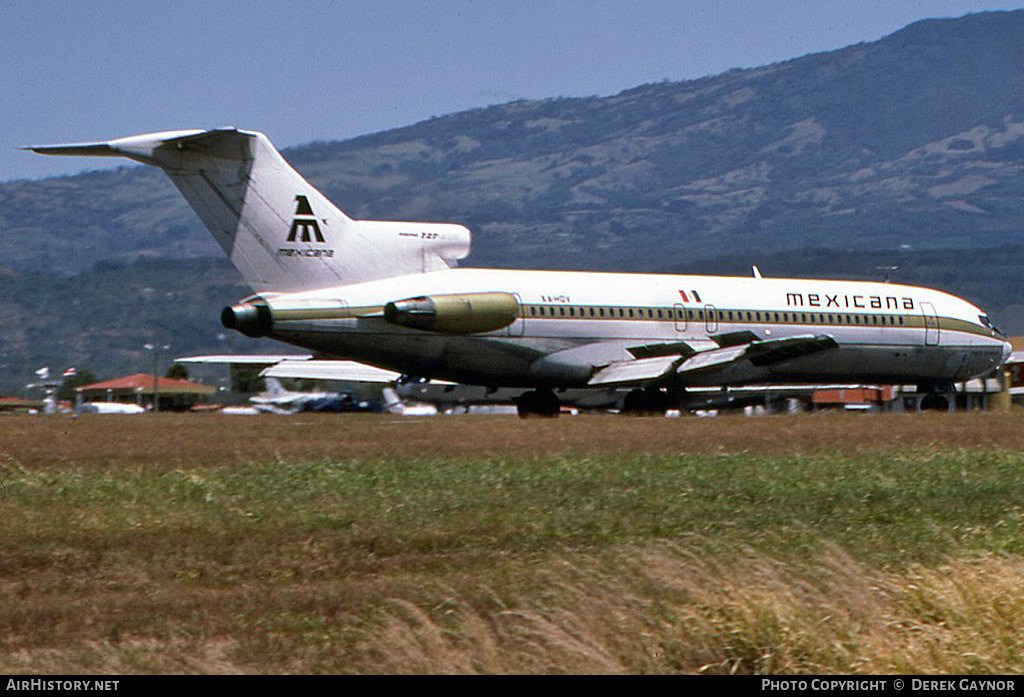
(395, 404)
(388, 294)
(277, 400)
(110, 408)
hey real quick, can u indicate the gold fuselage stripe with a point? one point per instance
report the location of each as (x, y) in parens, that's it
(717, 316)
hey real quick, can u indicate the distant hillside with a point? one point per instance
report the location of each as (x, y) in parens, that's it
(100, 320)
(915, 139)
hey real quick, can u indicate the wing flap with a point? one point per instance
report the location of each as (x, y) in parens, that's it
(760, 353)
(715, 358)
(672, 348)
(767, 353)
(638, 372)
(706, 357)
(348, 371)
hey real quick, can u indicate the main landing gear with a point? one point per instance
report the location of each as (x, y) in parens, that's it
(539, 403)
(649, 402)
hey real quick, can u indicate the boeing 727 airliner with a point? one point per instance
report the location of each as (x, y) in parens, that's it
(389, 294)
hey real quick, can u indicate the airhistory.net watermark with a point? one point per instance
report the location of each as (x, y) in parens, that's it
(61, 685)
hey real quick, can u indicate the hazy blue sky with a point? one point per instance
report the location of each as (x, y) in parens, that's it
(318, 70)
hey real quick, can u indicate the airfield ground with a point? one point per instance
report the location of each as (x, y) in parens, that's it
(832, 543)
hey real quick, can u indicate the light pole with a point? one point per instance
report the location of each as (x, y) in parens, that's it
(155, 348)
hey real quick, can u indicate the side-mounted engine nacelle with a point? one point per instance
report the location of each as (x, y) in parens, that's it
(457, 313)
(250, 318)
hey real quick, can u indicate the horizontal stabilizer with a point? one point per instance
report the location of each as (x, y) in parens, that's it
(149, 147)
(73, 149)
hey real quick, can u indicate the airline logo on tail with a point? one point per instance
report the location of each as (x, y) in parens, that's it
(306, 221)
(305, 228)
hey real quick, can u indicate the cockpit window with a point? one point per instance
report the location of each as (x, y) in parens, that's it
(986, 322)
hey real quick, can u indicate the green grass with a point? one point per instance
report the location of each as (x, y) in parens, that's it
(887, 510)
(591, 563)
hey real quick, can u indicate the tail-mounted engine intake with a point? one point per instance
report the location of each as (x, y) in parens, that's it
(251, 320)
(460, 313)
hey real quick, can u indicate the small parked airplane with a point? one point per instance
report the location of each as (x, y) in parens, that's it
(388, 294)
(109, 408)
(278, 400)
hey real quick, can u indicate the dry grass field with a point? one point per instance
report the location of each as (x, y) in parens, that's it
(480, 544)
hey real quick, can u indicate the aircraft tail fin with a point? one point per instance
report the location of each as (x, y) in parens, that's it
(391, 400)
(274, 387)
(279, 231)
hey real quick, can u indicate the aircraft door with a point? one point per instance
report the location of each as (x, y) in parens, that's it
(931, 325)
(711, 318)
(679, 313)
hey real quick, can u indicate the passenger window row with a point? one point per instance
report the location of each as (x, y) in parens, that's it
(735, 316)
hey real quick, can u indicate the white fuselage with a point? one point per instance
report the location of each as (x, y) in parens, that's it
(385, 293)
(569, 322)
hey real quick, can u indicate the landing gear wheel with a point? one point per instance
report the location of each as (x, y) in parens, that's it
(939, 396)
(935, 402)
(541, 403)
(649, 402)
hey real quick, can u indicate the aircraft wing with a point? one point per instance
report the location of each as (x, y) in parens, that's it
(299, 366)
(709, 357)
(249, 359)
(759, 353)
(319, 369)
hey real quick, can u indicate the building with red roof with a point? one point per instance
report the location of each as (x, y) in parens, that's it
(173, 394)
(20, 404)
